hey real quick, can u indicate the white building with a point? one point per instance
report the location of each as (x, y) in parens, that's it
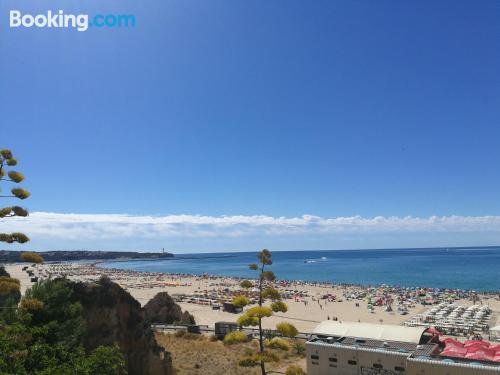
(363, 348)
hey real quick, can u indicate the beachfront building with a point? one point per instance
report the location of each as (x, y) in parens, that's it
(363, 349)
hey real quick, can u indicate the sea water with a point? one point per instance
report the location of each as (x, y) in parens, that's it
(472, 268)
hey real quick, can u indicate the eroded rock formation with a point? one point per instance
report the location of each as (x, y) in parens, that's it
(114, 316)
(163, 309)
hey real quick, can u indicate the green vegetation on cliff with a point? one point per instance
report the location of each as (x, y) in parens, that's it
(44, 336)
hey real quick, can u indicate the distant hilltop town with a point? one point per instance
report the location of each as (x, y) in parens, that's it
(8, 256)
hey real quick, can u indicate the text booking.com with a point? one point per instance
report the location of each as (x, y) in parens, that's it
(80, 22)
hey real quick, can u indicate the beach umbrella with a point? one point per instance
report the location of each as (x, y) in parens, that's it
(454, 351)
(495, 348)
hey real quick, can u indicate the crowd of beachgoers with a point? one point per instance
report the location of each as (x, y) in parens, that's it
(309, 302)
(379, 295)
(423, 295)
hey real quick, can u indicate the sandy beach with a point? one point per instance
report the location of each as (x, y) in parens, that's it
(309, 303)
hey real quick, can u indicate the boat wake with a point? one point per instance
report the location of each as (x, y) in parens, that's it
(315, 260)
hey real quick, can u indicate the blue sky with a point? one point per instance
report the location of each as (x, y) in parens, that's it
(275, 108)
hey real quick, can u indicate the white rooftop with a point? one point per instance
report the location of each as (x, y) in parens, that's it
(383, 332)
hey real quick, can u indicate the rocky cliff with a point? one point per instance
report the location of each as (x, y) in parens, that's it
(162, 309)
(114, 316)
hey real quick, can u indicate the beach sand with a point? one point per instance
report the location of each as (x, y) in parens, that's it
(304, 314)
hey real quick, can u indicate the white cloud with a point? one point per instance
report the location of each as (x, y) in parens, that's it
(93, 228)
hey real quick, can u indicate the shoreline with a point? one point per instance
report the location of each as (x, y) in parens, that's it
(309, 303)
(312, 282)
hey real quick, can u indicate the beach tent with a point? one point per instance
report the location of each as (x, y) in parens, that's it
(454, 351)
(452, 342)
(476, 343)
(488, 351)
(481, 354)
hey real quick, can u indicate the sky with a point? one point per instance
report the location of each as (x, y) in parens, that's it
(229, 125)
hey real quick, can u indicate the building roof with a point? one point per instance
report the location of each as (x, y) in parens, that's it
(398, 346)
(403, 348)
(382, 332)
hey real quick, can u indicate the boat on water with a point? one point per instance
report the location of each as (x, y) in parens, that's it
(315, 260)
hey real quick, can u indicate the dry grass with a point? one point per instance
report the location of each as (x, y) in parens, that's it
(197, 355)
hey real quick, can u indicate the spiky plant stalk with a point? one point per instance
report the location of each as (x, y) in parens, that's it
(11, 176)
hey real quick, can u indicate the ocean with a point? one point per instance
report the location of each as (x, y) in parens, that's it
(472, 268)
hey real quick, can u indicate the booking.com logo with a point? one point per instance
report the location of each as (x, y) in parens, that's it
(80, 22)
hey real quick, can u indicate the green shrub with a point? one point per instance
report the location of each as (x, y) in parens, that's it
(295, 370)
(180, 333)
(8, 285)
(269, 334)
(287, 329)
(31, 304)
(235, 337)
(9, 279)
(10, 292)
(46, 336)
(299, 348)
(246, 284)
(249, 361)
(105, 360)
(280, 344)
(279, 306)
(269, 357)
(240, 301)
